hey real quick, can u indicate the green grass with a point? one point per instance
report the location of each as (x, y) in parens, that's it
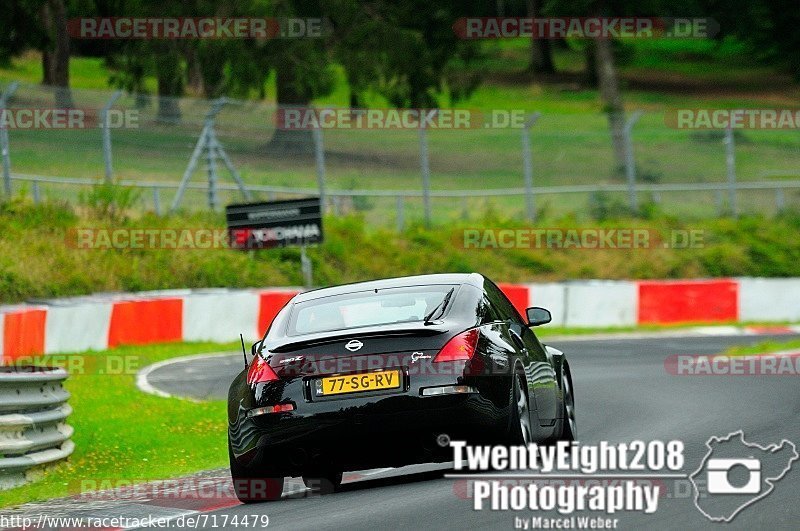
(570, 143)
(84, 72)
(124, 434)
(764, 347)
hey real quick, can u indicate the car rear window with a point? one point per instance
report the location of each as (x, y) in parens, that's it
(366, 308)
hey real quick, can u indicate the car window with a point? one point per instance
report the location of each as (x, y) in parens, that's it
(367, 308)
(486, 312)
(501, 305)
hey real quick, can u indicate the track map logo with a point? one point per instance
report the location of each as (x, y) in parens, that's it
(738, 473)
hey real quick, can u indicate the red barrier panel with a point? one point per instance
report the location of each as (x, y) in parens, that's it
(270, 304)
(146, 321)
(518, 295)
(664, 302)
(23, 333)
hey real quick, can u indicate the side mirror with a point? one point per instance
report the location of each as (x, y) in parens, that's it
(538, 316)
(256, 348)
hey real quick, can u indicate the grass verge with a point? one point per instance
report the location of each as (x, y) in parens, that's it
(34, 246)
(764, 347)
(124, 434)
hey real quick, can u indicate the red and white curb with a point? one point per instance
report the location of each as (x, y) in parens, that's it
(101, 321)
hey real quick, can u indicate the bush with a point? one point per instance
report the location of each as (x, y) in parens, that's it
(108, 200)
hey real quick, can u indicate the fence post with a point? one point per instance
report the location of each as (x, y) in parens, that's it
(527, 166)
(207, 141)
(730, 165)
(37, 196)
(319, 156)
(426, 169)
(156, 201)
(4, 146)
(106, 127)
(630, 163)
(306, 268)
(780, 200)
(211, 169)
(401, 222)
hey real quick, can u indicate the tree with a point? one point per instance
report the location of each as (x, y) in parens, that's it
(55, 52)
(39, 24)
(770, 27)
(610, 94)
(407, 51)
(18, 28)
(170, 76)
(541, 48)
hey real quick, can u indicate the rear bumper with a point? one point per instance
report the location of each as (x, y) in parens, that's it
(394, 431)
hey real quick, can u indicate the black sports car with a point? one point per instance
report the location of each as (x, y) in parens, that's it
(384, 374)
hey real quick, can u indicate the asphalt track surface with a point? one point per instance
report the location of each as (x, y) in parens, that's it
(623, 393)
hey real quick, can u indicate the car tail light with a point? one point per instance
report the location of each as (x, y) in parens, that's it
(461, 347)
(260, 372)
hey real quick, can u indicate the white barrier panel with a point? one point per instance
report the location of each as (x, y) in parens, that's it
(552, 296)
(176, 293)
(77, 327)
(769, 299)
(600, 303)
(221, 316)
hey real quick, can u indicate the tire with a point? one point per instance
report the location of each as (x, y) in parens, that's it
(520, 431)
(250, 487)
(325, 483)
(569, 430)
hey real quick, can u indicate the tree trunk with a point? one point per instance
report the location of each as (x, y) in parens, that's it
(55, 54)
(289, 94)
(608, 85)
(46, 17)
(590, 65)
(541, 49)
(170, 85)
(195, 72)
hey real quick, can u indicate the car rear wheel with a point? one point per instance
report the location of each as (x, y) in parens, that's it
(250, 486)
(325, 483)
(520, 421)
(570, 429)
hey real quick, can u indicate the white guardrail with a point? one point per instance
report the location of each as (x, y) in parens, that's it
(33, 429)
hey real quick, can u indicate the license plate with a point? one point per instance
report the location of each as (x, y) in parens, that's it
(358, 383)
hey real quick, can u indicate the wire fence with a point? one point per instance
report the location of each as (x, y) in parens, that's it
(192, 154)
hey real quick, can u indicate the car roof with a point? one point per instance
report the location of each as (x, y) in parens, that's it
(474, 279)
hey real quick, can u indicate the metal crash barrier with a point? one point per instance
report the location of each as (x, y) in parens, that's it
(33, 429)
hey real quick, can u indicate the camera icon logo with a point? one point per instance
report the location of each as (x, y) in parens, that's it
(718, 476)
(735, 474)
